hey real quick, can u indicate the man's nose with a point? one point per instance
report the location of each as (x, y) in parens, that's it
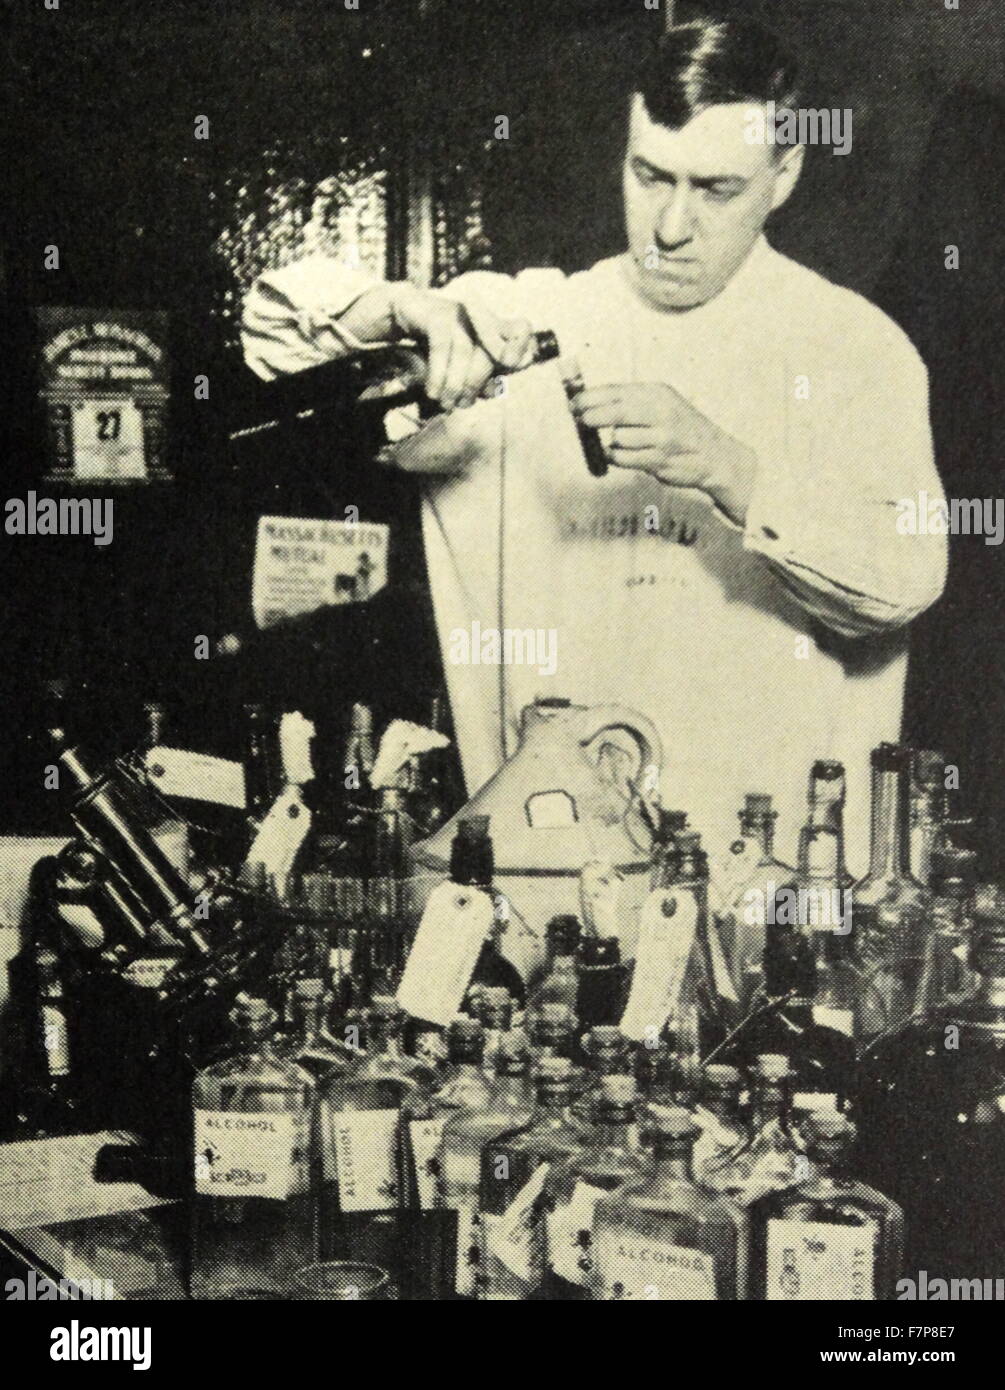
(675, 224)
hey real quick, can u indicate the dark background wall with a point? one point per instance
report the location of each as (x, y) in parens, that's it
(101, 160)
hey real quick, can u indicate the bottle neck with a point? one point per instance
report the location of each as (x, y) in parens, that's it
(891, 843)
(991, 991)
(673, 1160)
(761, 831)
(724, 1106)
(770, 1102)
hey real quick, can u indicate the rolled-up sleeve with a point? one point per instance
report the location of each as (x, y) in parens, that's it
(289, 318)
(832, 514)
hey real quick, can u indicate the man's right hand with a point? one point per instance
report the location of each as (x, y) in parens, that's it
(467, 345)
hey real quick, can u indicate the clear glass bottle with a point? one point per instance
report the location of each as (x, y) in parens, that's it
(826, 808)
(496, 1017)
(254, 1216)
(360, 1138)
(947, 976)
(890, 908)
(560, 982)
(746, 887)
(465, 1135)
(612, 1155)
(770, 1156)
(829, 1238)
(308, 1041)
(382, 947)
(719, 1118)
(929, 809)
(932, 1121)
(607, 1054)
(666, 1237)
(514, 1169)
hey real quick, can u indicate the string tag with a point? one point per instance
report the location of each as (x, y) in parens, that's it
(445, 951)
(666, 937)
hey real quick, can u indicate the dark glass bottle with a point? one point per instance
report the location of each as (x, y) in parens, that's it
(560, 982)
(830, 1237)
(932, 1121)
(604, 980)
(929, 809)
(472, 864)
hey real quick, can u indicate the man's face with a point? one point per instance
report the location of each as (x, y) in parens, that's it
(696, 200)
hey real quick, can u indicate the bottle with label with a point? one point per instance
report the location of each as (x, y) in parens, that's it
(255, 1205)
(666, 1237)
(360, 1138)
(746, 886)
(831, 1238)
(611, 1156)
(514, 1169)
(719, 1118)
(472, 865)
(826, 808)
(560, 983)
(771, 1155)
(890, 908)
(932, 1120)
(822, 1060)
(465, 1136)
(929, 809)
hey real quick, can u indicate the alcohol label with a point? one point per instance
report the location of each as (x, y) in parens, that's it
(634, 1268)
(366, 1144)
(811, 1260)
(426, 1140)
(570, 1234)
(514, 1237)
(198, 776)
(250, 1154)
(666, 936)
(444, 953)
(302, 565)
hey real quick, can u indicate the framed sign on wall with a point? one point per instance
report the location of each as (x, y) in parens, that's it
(104, 382)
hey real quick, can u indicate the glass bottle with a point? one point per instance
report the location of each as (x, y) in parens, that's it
(472, 864)
(514, 1169)
(360, 1118)
(465, 1135)
(747, 887)
(829, 1238)
(932, 1120)
(382, 947)
(665, 1237)
(822, 1060)
(719, 1117)
(607, 1054)
(890, 908)
(770, 1156)
(308, 1041)
(255, 1206)
(707, 985)
(263, 770)
(604, 980)
(496, 1017)
(929, 809)
(612, 1154)
(826, 808)
(947, 975)
(560, 982)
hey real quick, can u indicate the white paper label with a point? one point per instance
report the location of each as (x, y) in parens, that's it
(842, 1020)
(281, 833)
(570, 1234)
(108, 439)
(302, 565)
(55, 1040)
(511, 1237)
(426, 1138)
(814, 1100)
(666, 936)
(365, 1152)
(444, 953)
(635, 1269)
(812, 1260)
(200, 777)
(249, 1154)
(295, 734)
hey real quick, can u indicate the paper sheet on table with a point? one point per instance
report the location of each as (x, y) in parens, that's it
(43, 1181)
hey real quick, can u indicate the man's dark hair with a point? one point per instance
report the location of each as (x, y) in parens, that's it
(715, 62)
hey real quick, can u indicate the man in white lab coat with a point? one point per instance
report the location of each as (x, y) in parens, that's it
(738, 574)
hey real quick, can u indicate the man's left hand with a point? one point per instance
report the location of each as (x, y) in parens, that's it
(650, 426)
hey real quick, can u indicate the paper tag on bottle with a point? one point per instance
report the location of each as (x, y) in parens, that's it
(666, 936)
(198, 776)
(634, 1268)
(56, 1041)
(721, 978)
(445, 951)
(281, 833)
(295, 734)
(599, 885)
(814, 1261)
(570, 1234)
(426, 1142)
(514, 1236)
(249, 1154)
(842, 1020)
(302, 565)
(366, 1143)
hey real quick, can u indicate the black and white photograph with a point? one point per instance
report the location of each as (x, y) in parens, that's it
(502, 561)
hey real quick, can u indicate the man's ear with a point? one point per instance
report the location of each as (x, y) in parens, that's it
(789, 168)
